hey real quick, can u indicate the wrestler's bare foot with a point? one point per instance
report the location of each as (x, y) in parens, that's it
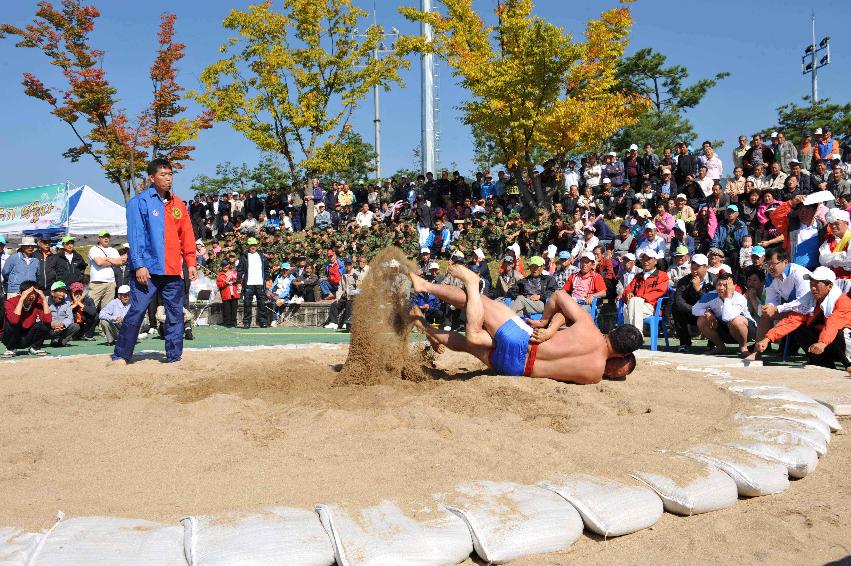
(118, 362)
(540, 335)
(462, 272)
(417, 282)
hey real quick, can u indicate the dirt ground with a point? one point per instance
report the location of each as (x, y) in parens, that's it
(238, 431)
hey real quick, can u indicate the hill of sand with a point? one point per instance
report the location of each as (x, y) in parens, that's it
(241, 430)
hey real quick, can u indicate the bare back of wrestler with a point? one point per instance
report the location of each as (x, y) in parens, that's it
(578, 353)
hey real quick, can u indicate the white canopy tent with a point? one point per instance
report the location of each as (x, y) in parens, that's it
(90, 212)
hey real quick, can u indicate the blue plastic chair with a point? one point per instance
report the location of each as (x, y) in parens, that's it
(654, 322)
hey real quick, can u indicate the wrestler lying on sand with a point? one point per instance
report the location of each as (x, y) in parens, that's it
(510, 346)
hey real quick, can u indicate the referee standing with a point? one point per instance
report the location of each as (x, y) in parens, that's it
(160, 234)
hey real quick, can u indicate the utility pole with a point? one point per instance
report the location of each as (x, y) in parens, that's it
(816, 61)
(427, 152)
(379, 50)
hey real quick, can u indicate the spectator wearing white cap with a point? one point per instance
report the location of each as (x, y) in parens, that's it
(586, 285)
(425, 259)
(632, 167)
(478, 265)
(723, 316)
(667, 186)
(627, 270)
(820, 323)
(587, 242)
(834, 252)
(645, 290)
(112, 316)
(802, 229)
(682, 238)
(22, 266)
(613, 169)
(651, 240)
(687, 292)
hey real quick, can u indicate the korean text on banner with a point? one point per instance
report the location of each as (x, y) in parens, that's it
(34, 209)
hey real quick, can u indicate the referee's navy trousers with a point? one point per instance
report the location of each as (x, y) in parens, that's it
(170, 288)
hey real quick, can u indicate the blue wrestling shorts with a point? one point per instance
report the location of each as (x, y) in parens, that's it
(511, 343)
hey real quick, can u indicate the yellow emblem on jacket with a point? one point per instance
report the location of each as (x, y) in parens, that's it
(176, 213)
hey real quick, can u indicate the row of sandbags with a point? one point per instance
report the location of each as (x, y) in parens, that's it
(500, 521)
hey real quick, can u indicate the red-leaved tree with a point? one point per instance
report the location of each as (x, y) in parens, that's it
(87, 102)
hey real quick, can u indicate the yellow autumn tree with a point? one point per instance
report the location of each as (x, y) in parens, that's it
(534, 90)
(291, 78)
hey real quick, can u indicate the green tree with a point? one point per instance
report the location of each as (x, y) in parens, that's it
(794, 120)
(270, 172)
(533, 90)
(228, 178)
(645, 74)
(89, 103)
(291, 79)
(350, 159)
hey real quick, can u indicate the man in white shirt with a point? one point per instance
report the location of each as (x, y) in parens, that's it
(571, 176)
(723, 316)
(705, 181)
(364, 217)
(102, 258)
(786, 285)
(714, 167)
(254, 277)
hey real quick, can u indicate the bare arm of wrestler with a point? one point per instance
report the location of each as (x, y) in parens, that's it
(561, 309)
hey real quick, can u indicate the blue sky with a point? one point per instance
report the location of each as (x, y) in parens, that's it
(758, 42)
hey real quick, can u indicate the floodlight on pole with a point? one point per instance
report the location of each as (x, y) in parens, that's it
(812, 60)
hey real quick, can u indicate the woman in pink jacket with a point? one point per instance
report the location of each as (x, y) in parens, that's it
(665, 222)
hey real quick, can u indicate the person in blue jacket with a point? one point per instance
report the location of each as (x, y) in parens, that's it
(728, 237)
(161, 240)
(439, 239)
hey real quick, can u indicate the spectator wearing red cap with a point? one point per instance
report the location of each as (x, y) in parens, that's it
(85, 313)
(334, 271)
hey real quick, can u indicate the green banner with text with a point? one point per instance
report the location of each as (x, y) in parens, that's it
(33, 210)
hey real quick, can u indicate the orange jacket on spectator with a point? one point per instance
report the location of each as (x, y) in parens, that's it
(830, 326)
(834, 150)
(648, 288)
(226, 282)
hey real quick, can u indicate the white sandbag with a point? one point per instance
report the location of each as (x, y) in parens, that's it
(384, 536)
(807, 421)
(283, 536)
(509, 520)
(818, 411)
(92, 541)
(17, 547)
(799, 460)
(607, 507)
(753, 475)
(775, 393)
(783, 432)
(689, 487)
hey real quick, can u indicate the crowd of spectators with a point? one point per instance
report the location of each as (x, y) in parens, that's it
(734, 245)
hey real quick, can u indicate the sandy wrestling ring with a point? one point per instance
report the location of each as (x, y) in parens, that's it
(238, 431)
